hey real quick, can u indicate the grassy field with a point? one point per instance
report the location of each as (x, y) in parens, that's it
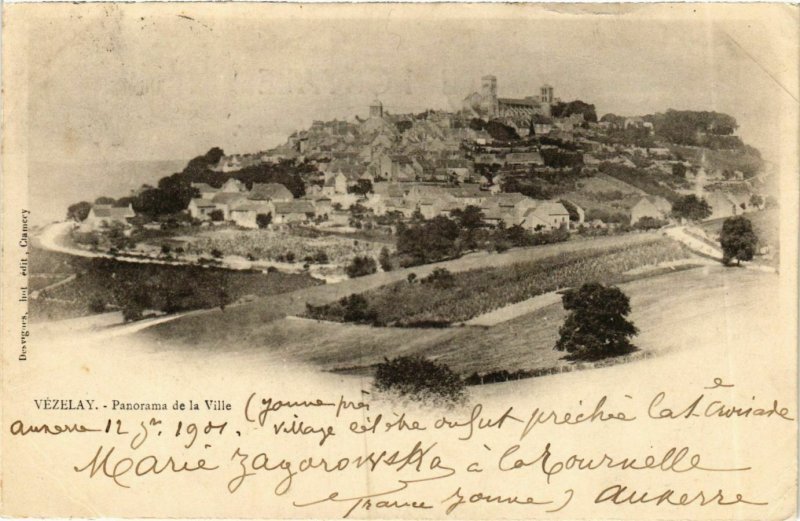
(600, 183)
(105, 284)
(239, 325)
(668, 309)
(472, 293)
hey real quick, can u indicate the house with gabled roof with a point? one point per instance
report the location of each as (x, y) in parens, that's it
(524, 159)
(246, 212)
(399, 168)
(724, 204)
(232, 185)
(515, 204)
(206, 190)
(546, 215)
(650, 206)
(274, 192)
(293, 212)
(201, 208)
(225, 200)
(335, 183)
(103, 215)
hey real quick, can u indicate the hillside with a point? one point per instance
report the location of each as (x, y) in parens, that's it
(603, 183)
(746, 159)
(667, 302)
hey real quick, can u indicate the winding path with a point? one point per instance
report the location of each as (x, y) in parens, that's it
(680, 233)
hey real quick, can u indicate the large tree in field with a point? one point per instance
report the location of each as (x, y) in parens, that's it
(597, 326)
(738, 240)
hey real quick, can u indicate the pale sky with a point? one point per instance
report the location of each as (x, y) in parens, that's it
(120, 82)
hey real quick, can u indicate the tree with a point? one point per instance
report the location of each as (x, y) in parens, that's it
(613, 119)
(213, 155)
(134, 302)
(679, 170)
(216, 215)
(428, 241)
(756, 200)
(596, 327)
(79, 211)
(104, 200)
(124, 201)
(738, 240)
(356, 309)
(565, 110)
(477, 124)
(263, 219)
(362, 187)
(361, 266)
(440, 278)
(691, 207)
(558, 158)
(501, 132)
(649, 223)
(404, 125)
(385, 259)
(470, 218)
(695, 128)
(116, 236)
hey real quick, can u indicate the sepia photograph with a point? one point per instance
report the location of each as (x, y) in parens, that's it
(247, 243)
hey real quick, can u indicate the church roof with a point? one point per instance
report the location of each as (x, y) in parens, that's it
(527, 102)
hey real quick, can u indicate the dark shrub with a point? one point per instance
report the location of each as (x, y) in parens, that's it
(263, 219)
(361, 266)
(650, 223)
(96, 305)
(691, 207)
(420, 379)
(385, 259)
(440, 278)
(356, 309)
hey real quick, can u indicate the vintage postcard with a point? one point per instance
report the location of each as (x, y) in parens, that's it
(399, 261)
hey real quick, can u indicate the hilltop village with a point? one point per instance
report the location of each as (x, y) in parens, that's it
(421, 223)
(523, 167)
(519, 160)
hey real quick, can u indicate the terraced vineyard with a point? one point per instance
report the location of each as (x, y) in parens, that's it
(472, 293)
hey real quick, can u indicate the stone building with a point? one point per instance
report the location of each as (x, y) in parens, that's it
(486, 103)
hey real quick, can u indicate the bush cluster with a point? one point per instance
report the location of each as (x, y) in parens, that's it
(420, 379)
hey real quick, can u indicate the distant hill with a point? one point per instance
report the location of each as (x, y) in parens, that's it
(53, 186)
